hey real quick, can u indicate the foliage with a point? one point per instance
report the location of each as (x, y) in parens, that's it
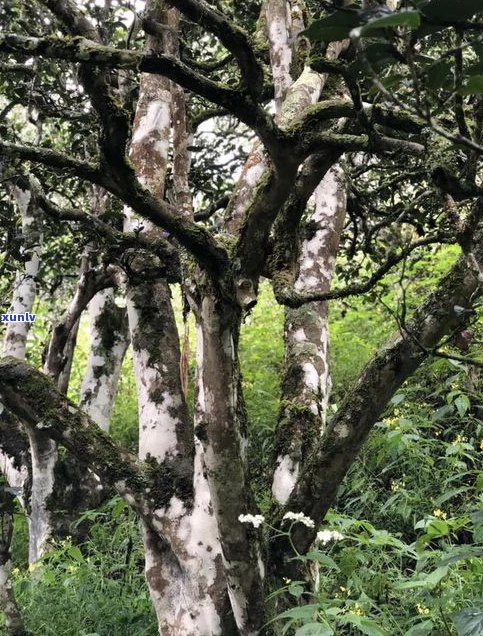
(96, 589)
(363, 581)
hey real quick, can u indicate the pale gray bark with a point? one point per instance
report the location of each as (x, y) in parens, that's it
(109, 342)
(306, 379)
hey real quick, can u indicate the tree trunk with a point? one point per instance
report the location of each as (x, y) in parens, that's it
(109, 342)
(306, 378)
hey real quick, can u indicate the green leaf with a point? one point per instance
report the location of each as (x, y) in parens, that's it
(295, 589)
(421, 629)
(74, 552)
(451, 10)
(437, 528)
(364, 624)
(336, 26)
(460, 554)
(437, 575)
(430, 580)
(462, 402)
(474, 86)
(303, 613)
(323, 559)
(477, 520)
(314, 629)
(450, 494)
(409, 19)
(468, 621)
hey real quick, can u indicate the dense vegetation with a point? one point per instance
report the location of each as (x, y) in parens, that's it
(410, 510)
(225, 187)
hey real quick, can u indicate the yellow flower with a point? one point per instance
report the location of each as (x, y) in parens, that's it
(422, 609)
(439, 513)
(15, 572)
(357, 609)
(481, 444)
(32, 567)
(459, 439)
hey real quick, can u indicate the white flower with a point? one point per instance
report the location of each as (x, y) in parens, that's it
(300, 517)
(324, 536)
(255, 520)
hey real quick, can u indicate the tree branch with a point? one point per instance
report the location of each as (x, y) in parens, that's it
(394, 362)
(88, 53)
(292, 298)
(33, 398)
(53, 159)
(233, 38)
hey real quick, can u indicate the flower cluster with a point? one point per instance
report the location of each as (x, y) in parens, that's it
(255, 520)
(324, 536)
(440, 514)
(300, 518)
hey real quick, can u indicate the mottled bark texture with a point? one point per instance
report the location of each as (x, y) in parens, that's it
(395, 361)
(221, 429)
(306, 377)
(184, 567)
(109, 341)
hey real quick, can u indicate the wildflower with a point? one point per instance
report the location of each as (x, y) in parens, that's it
(357, 609)
(255, 520)
(481, 444)
(439, 514)
(32, 567)
(422, 609)
(459, 439)
(15, 572)
(300, 517)
(324, 536)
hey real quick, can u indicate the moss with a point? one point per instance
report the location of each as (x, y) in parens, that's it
(167, 479)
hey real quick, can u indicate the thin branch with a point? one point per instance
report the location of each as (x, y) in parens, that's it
(53, 159)
(233, 38)
(454, 356)
(292, 298)
(207, 213)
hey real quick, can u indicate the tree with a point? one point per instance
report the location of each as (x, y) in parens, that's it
(378, 113)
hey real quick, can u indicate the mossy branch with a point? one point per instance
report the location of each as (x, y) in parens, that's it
(33, 398)
(395, 361)
(233, 38)
(89, 53)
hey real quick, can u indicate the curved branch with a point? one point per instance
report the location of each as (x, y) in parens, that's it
(33, 398)
(233, 38)
(393, 363)
(88, 52)
(292, 298)
(53, 159)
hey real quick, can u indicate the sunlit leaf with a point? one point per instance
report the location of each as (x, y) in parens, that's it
(409, 19)
(336, 26)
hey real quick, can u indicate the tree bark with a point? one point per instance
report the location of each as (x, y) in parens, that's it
(109, 342)
(395, 361)
(306, 377)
